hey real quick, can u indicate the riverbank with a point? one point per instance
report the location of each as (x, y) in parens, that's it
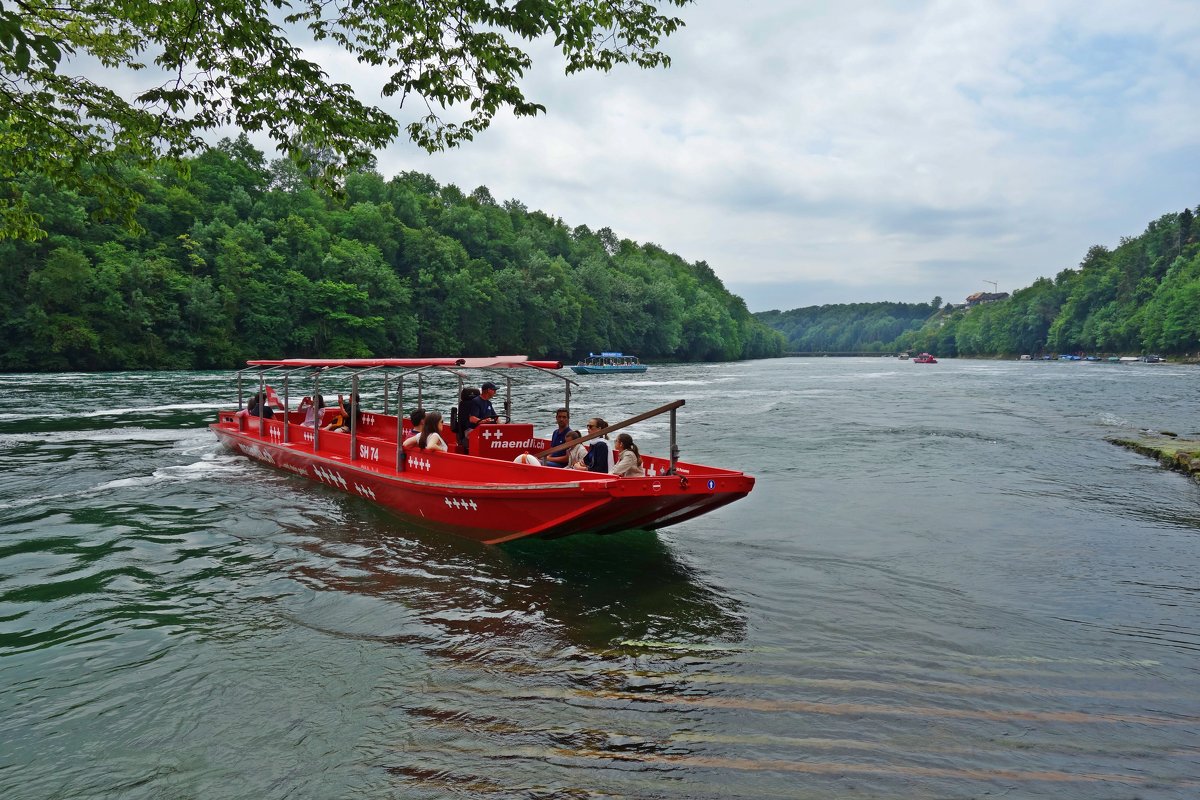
(1173, 452)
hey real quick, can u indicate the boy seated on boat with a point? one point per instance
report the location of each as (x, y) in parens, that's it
(430, 437)
(340, 422)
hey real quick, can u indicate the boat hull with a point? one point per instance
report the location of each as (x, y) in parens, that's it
(488, 500)
(602, 370)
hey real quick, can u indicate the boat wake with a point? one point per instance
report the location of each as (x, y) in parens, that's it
(212, 464)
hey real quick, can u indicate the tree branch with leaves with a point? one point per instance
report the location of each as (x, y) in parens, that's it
(235, 62)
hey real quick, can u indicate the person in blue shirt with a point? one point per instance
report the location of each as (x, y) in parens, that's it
(559, 436)
(479, 411)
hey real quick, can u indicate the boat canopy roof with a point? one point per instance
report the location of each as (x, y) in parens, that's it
(491, 362)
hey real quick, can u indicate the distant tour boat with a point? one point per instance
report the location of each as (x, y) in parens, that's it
(924, 358)
(602, 363)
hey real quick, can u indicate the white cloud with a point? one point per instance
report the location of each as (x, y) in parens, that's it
(888, 150)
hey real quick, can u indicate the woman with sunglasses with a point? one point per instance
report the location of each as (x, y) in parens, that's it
(596, 459)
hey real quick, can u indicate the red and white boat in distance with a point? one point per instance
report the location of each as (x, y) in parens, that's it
(485, 496)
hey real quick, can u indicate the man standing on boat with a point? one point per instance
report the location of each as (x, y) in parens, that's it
(561, 458)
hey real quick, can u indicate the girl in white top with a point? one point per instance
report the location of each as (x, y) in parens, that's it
(629, 460)
(578, 453)
(429, 438)
(313, 409)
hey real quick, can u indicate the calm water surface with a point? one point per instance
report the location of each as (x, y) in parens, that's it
(946, 584)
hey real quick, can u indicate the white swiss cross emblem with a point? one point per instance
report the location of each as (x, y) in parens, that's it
(454, 502)
(489, 433)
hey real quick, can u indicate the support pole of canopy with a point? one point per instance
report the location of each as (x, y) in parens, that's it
(400, 423)
(241, 421)
(261, 394)
(353, 417)
(262, 398)
(354, 411)
(567, 384)
(287, 407)
(674, 446)
(287, 414)
(385, 393)
(401, 460)
(317, 412)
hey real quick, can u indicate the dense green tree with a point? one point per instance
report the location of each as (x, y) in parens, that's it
(237, 258)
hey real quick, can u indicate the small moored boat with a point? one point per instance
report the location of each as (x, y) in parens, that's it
(485, 495)
(603, 363)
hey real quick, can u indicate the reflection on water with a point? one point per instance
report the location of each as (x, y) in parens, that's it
(946, 584)
(592, 593)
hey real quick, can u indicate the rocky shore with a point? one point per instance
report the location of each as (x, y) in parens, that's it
(1172, 451)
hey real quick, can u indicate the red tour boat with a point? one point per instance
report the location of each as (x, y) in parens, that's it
(485, 495)
(924, 358)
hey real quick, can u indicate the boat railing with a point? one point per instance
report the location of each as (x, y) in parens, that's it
(319, 371)
(423, 371)
(670, 408)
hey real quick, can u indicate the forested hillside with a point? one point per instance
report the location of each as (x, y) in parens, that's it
(849, 327)
(239, 258)
(1142, 296)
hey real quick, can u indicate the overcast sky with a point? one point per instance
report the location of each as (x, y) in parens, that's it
(821, 152)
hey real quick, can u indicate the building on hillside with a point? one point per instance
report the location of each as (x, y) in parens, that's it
(985, 297)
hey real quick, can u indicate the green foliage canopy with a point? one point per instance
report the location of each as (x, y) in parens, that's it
(233, 62)
(235, 258)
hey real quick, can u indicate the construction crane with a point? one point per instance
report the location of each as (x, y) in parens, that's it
(995, 289)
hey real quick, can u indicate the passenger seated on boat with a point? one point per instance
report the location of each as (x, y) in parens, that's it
(475, 410)
(430, 437)
(596, 459)
(257, 407)
(415, 418)
(578, 453)
(340, 421)
(313, 410)
(557, 437)
(629, 460)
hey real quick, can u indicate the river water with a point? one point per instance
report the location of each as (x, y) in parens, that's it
(945, 584)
